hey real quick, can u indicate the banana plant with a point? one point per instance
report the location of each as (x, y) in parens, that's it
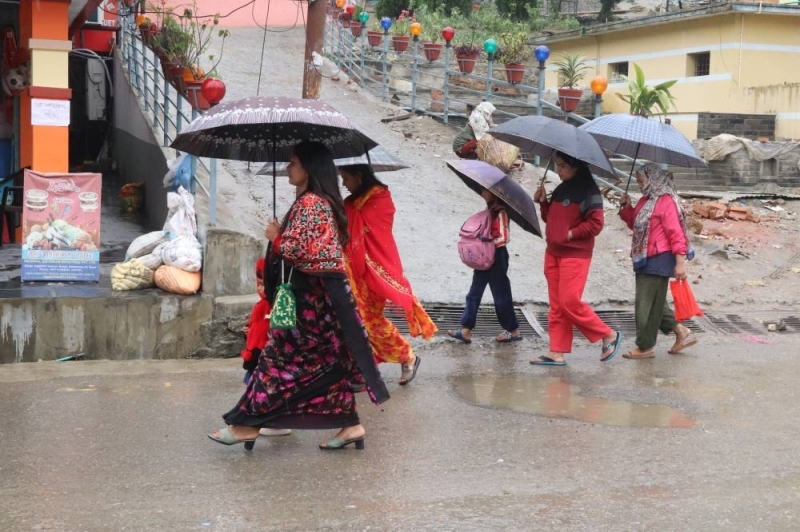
(648, 101)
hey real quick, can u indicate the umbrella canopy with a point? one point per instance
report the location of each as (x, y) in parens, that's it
(642, 138)
(479, 175)
(379, 158)
(267, 128)
(543, 136)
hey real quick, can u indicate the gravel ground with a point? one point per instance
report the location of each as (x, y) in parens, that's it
(432, 202)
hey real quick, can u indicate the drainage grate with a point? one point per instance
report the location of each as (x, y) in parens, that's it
(620, 320)
(734, 324)
(449, 317)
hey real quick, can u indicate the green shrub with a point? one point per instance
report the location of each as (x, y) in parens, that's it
(517, 10)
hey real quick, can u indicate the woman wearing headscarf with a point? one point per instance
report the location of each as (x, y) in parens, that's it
(305, 376)
(660, 249)
(376, 272)
(465, 145)
(574, 217)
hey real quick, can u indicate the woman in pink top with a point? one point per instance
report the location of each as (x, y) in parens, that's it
(660, 249)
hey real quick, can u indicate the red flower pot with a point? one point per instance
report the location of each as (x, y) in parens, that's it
(568, 99)
(466, 61)
(400, 43)
(374, 38)
(356, 28)
(432, 50)
(515, 72)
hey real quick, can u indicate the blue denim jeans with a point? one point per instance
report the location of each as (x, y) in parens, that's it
(497, 279)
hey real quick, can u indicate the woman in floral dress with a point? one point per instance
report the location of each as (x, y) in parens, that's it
(305, 375)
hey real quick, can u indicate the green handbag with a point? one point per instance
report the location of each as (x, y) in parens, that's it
(284, 308)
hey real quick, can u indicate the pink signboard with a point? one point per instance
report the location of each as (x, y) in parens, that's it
(61, 227)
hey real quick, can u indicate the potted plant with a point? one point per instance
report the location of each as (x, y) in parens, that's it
(201, 32)
(345, 19)
(648, 101)
(513, 53)
(400, 36)
(570, 68)
(466, 52)
(173, 43)
(432, 25)
(356, 28)
(375, 34)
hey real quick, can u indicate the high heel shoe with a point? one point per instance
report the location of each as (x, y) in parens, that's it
(226, 438)
(337, 444)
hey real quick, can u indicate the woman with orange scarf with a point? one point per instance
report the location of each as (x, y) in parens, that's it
(376, 273)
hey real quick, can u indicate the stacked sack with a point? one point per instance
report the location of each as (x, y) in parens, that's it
(173, 256)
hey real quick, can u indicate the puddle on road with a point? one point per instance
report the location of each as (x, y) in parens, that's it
(555, 397)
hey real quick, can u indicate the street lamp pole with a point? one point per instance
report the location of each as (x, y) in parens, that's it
(599, 86)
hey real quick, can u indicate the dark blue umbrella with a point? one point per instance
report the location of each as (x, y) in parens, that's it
(479, 175)
(544, 136)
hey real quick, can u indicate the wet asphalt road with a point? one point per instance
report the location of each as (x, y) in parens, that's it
(479, 441)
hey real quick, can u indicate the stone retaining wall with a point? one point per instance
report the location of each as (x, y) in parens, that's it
(748, 126)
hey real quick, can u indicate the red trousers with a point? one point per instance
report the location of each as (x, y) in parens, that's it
(566, 279)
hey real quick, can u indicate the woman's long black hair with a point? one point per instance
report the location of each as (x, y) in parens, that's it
(323, 180)
(583, 172)
(368, 178)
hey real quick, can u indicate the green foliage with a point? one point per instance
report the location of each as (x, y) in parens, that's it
(571, 69)
(432, 23)
(648, 101)
(201, 32)
(513, 49)
(607, 10)
(390, 8)
(517, 10)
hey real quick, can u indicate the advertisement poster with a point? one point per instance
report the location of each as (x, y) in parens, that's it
(61, 227)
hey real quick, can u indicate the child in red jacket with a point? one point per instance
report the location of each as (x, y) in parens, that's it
(257, 328)
(574, 217)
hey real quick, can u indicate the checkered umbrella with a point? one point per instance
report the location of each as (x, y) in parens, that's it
(642, 138)
(377, 157)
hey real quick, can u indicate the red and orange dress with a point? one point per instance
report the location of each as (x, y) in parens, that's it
(376, 276)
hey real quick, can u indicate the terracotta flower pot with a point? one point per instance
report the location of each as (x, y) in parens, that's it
(374, 38)
(568, 99)
(515, 72)
(466, 61)
(432, 50)
(195, 95)
(400, 43)
(356, 28)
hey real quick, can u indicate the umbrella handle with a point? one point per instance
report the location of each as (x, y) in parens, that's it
(546, 168)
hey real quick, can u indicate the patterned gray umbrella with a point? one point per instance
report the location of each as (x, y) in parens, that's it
(479, 175)
(544, 136)
(379, 159)
(642, 138)
(267, 128)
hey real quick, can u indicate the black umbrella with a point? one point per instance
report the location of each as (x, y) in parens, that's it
(544, 136)
(267, 128)
(479, 175)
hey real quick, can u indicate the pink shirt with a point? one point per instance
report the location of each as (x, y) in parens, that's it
(666, 233)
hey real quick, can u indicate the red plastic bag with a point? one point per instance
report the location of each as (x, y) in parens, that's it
(685, 304)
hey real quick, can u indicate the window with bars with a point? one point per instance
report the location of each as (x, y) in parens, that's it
(698, 64)
(616, 71)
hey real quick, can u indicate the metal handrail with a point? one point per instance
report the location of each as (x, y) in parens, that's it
(354, 56)
(163, 106)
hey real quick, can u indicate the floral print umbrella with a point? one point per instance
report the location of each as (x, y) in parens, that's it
(267, 128)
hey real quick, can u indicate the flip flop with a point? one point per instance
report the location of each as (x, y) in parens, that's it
(458, 336)
(689, 341)
(506, 337)
(547, 361)
(615, 344)
(641, 354)
(417, 361)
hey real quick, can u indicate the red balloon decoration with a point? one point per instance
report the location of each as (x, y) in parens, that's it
(350, 9)
(448, 33)
(213, 90)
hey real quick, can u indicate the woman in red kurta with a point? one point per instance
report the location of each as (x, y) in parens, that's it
(574, 217)
(376, 272)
